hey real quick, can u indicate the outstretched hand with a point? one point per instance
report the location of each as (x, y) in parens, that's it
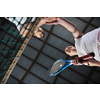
(48, 21)
(52, 21)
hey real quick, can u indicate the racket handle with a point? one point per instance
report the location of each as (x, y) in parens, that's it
(86, 57)
(71, 62)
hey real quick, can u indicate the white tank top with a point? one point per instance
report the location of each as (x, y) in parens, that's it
(88, 43)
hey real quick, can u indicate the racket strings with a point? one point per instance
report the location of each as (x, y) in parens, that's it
(57, 66)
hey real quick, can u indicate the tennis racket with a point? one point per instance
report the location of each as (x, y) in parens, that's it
(61, 64)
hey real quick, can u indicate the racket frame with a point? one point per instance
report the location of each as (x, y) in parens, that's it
(61, 69)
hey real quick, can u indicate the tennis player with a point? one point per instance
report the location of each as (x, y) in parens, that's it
(84, 44)
(24, 24)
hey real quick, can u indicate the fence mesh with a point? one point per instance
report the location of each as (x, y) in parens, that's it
(13, 41)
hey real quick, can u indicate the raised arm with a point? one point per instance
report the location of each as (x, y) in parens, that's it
(68, 25)
(28, 25)
(24, 31)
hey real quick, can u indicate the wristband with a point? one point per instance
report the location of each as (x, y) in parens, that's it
(35, 30)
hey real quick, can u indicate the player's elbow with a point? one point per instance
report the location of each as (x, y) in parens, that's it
(77, 33)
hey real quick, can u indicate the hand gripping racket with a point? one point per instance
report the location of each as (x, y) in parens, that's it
(61, 64)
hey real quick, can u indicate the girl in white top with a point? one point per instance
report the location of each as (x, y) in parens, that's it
(22, 21)
(84, 44)
(19, 21)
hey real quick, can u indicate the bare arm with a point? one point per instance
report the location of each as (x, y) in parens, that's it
(93, 62)
(68, 25)
(23, 31)
(28, 25)
(90, 62)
